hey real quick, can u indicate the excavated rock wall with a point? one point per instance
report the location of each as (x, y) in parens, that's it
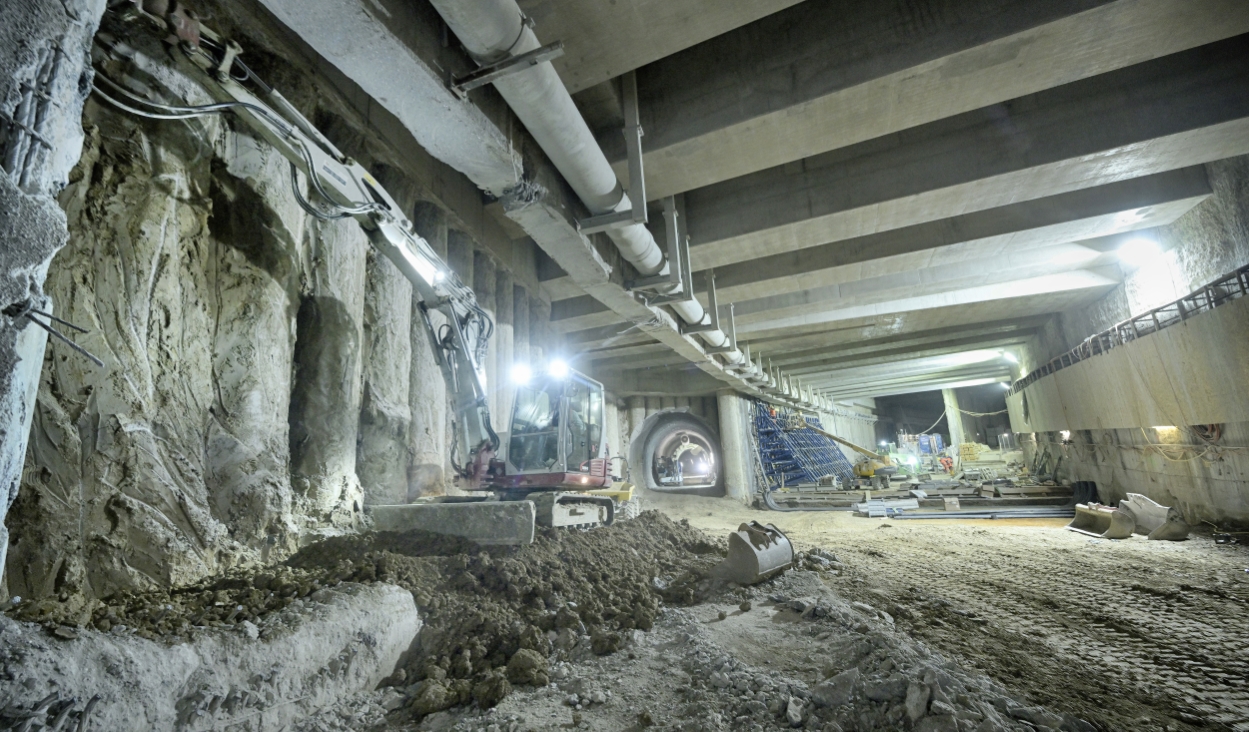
(265, 374)
(44, 77)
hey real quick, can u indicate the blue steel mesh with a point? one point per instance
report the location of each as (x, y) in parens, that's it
(793, 456)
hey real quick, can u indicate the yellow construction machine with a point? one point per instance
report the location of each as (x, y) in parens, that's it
(876, 465)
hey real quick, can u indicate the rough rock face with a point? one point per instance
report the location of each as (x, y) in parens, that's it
(225, 423)
(194, 322)
(44, 77)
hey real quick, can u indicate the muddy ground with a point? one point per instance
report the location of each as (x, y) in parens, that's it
(1130, 635)
(933, 626)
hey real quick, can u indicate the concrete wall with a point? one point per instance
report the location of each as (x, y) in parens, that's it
(1193, 373)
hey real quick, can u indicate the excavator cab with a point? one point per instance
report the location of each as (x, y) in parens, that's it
(555, 441)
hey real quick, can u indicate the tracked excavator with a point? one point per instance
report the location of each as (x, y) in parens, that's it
(555, 458)
(553, 467)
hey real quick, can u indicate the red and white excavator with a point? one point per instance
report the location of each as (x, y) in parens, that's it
(553, 463)
(554, 453)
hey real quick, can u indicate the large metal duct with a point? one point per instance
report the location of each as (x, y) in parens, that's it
(493, 30)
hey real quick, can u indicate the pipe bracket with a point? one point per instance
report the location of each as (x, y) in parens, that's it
(508, 66)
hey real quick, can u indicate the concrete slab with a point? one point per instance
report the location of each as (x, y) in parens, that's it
(1182, 110)
(509, 523)
(1130, 205)
(604, 40)
(1064, 287)
(850, 71)
(971, 240)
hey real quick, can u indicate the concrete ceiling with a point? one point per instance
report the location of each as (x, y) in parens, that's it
(875, 187)
(879, 189)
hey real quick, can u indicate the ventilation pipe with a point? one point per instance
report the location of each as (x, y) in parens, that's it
(494, 30)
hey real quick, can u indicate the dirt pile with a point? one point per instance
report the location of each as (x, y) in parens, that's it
(493, 615)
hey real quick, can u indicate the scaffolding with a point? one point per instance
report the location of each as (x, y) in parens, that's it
(790, 453)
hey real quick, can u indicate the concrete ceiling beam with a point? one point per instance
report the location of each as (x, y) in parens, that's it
(902, 353)
(890, 380)
(910, 340)
(935, 386)
(937, 321)
(930, 286)
(603, 40)
(1083, 283)
(479, 140)
(1130, 205)
(915, 365)
(821, 76)
(1181, 110)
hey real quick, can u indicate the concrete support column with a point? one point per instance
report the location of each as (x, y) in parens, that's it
(611, 424)
(325, 397)
(953, 417)
(734, 446)
(427, 391)
(539, 330)
(484, 271)
(385, 415)
(504, 338)
(636, 413)
(460, 255)
(520, 324)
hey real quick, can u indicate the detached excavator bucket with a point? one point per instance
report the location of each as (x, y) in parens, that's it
(1101, 521)
(756, 552)
(1154, 520)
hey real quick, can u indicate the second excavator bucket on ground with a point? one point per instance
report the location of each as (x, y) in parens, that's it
(756, 552)
(1101, 521)
(1154, 520)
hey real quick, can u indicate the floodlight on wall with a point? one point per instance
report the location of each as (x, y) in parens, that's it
(1139, 252)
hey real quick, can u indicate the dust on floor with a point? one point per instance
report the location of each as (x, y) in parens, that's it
(1130, 635)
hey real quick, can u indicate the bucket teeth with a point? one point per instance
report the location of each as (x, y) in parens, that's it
(756, 552)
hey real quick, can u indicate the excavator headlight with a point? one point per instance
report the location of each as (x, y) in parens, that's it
(520, 374)
(558, 369)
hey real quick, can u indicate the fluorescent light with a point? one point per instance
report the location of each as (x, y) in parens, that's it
(558, 369)
(1006, 386)
(521, 374)
(1139, 252)
(1009, 357)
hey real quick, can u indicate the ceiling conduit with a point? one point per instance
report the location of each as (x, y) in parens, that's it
(494, 30)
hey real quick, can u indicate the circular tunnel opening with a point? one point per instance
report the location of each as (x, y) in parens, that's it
(680, 454)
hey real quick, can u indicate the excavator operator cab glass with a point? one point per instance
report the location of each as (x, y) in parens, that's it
(557, 425)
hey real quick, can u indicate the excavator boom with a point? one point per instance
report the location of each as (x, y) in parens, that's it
(458, 327)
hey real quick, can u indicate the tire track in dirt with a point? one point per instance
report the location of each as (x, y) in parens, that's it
(1118, 642)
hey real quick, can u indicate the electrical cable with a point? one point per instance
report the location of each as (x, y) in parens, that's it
(138, 112)
(934, 424)
(307, 205)
(172, 112)
(186, 111)
(983, 414)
